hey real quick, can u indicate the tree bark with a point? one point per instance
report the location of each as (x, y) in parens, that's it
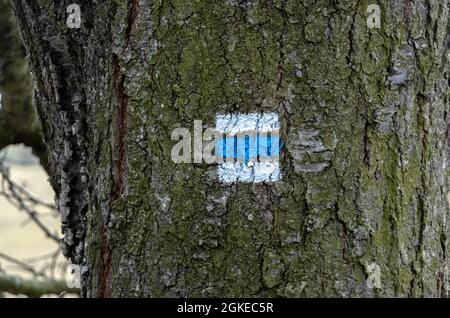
(364, 120)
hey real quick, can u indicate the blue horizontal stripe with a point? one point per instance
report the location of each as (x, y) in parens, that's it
(248, 148)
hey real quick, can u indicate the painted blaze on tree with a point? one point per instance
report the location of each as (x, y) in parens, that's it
(363, 113)
(246, 147)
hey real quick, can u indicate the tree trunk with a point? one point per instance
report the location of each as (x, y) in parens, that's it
(361, 207)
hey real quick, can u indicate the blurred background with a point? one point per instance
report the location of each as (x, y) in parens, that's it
(31, 263)
(30, 257)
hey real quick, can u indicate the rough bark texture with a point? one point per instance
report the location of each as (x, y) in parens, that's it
(364, 117)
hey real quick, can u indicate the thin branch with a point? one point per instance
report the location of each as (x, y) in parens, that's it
(33, 287)
(14, 193)
(40, 258)
(21, 264)
(29, 196)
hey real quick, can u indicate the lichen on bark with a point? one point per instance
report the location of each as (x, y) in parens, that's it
(363, 116)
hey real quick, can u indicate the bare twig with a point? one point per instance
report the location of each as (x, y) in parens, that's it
(21, 264)
(29, 196)
(15, 194)
(26, 194)
(41, 257)
(44, 281)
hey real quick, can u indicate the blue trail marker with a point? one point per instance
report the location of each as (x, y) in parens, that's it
(250, 147)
